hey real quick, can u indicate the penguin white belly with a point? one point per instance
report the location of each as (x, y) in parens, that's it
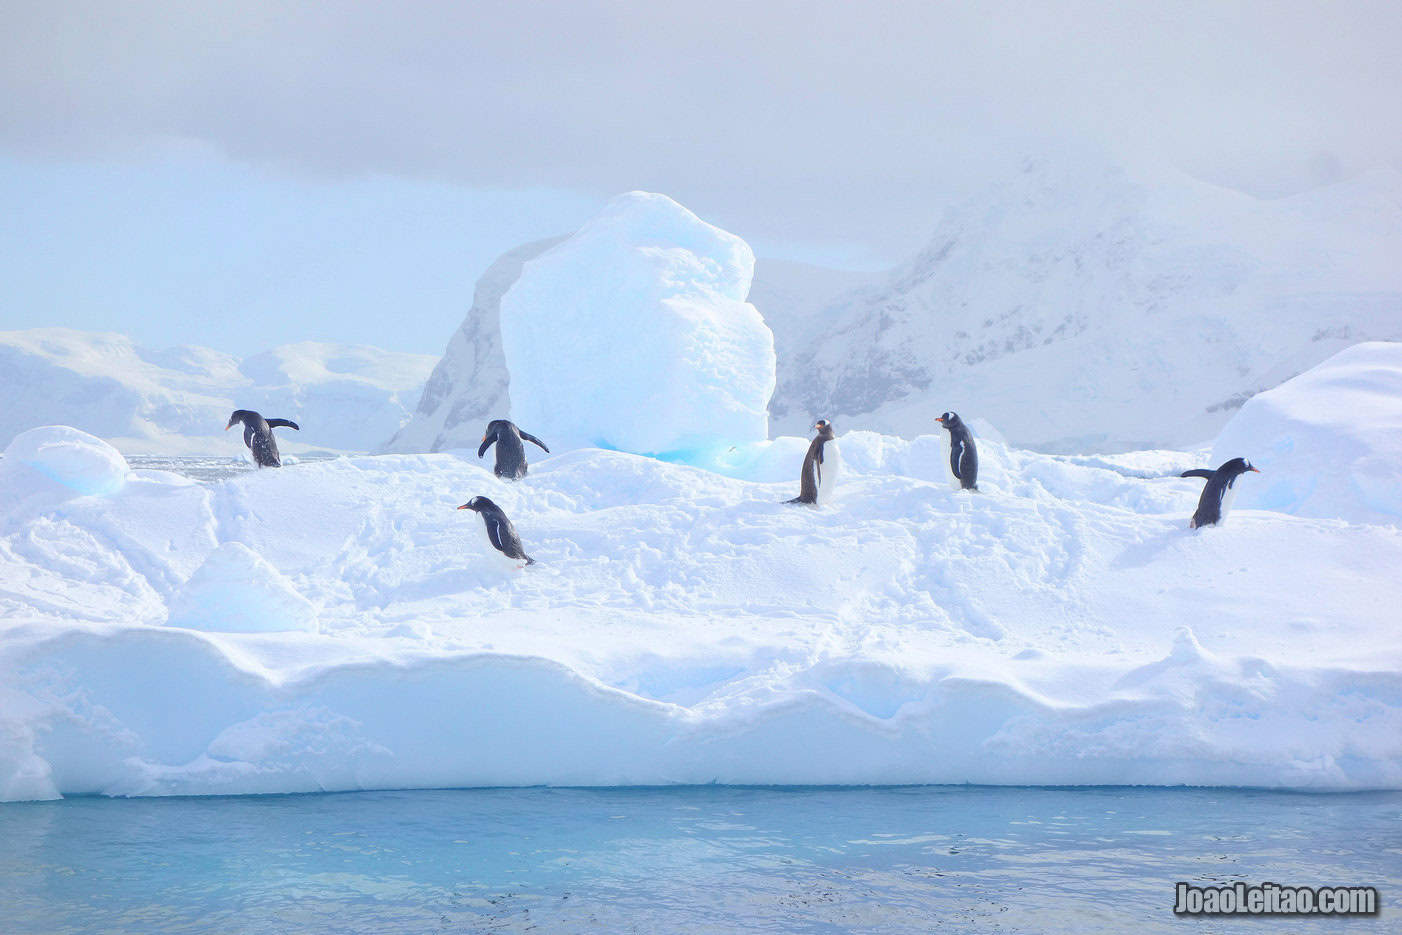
(831, 467)
(947, 450)
(1228, 496)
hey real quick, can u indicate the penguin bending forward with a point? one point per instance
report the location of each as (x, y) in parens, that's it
(499, 529)
(258, 435)
(819, 467)
(1217, 496)
(511, 453)
(963, 456)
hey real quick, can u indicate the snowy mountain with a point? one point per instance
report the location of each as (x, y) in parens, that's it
(178, 400)
(1081, 306)
(1078, 306)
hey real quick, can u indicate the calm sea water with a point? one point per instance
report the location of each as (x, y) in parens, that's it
(686, 860)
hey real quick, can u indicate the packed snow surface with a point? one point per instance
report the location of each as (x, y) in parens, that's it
(236, 590)
(345, 397)
(1329, 441)
(634, 334)
(684, 626)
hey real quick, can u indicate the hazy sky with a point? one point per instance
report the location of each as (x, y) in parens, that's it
(242, 174)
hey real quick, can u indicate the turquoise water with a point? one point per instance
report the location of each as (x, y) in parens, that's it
(693, 860)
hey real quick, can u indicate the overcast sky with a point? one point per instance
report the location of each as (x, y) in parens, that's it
(260, 172)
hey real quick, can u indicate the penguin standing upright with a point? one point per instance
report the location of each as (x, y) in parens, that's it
(511, 453)
(1219, 492)
(963, 456)
(820, 467)
(258, 435)
(499, 529)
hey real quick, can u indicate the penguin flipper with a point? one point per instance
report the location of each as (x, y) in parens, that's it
(531, 438)
(487, 442)
(1205, 473)
(283, 423)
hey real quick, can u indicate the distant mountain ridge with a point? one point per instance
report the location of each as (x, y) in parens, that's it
(1083, 307)
(177, 400)
(1080, 306)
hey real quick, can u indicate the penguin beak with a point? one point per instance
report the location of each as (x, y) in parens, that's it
(484, 438)
(463, 507)
(1254, 470)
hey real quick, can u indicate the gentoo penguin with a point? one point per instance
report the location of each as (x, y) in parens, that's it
(499, 529)
(1217, 496)
(963, 456)
(820, 467)
(258, 435)
(511, 454)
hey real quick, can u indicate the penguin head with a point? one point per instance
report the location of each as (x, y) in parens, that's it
(1238, 466)
(478, 504)
(493, 427)
(950, 420)
(239, 415)
(823, 427)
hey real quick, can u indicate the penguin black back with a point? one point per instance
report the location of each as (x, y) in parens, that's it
(963, 455)
(810, 481)
(502, 534)
(511, 453)
(258, 435)
(1214, 502)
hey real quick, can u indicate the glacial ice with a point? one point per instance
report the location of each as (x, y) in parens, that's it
(634, 334)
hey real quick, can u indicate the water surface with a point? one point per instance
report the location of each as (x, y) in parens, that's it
(685, 860)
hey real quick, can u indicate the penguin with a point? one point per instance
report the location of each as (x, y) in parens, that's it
(963, 456)
(258, 435)
(820, 467)
(1217, 496)
(511, 454)
(499, 529)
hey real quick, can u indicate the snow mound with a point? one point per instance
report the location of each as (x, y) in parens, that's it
(237, 591)
(1328, 442)
(634, 334)
(56, 462)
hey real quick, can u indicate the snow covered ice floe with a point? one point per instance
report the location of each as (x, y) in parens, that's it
(634, 334)
(683, 626)
(1329, 440)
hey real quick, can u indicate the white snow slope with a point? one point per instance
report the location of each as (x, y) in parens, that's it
(345, 397)
(1084, 306)
(683, 626)
(1329, 441)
